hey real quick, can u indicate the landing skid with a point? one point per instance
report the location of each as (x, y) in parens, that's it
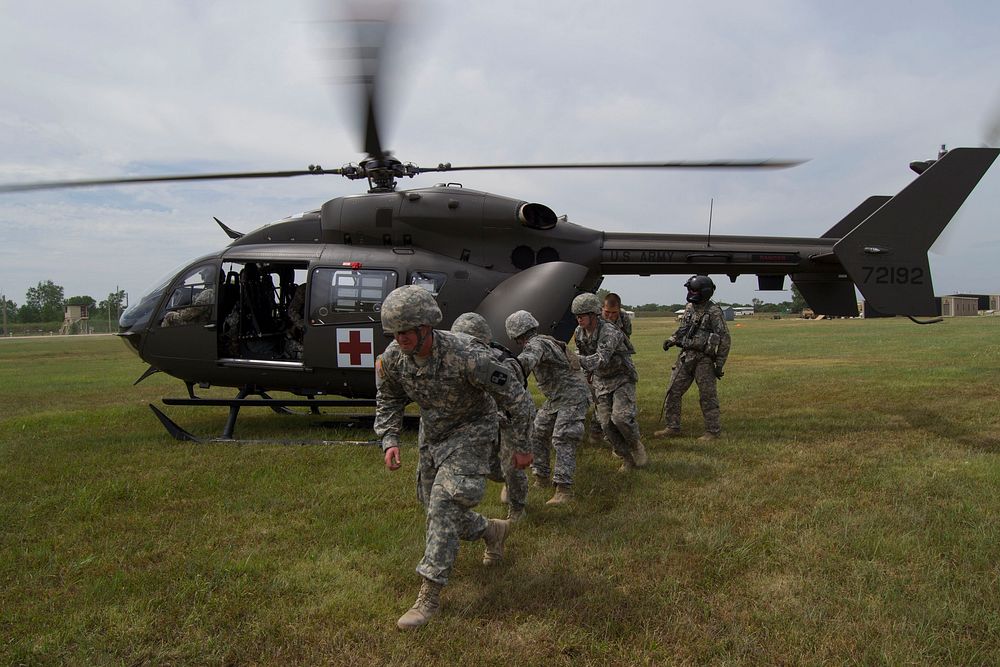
(279, 405)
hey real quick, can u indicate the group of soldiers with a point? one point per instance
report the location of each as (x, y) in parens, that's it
(478, 420)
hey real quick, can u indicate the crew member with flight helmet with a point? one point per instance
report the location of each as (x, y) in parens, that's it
(604, 356)
(458, 388)
(704, 341)
(559, 422)
(515, 489)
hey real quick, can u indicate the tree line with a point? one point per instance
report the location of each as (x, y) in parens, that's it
(46, 302)
(759, 306)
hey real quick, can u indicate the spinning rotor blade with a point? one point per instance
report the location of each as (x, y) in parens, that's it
(680, 164)
(55, 185)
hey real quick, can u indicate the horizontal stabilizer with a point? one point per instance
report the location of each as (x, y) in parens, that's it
(886, 255)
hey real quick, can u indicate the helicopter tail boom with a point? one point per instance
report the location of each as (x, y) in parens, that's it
(886, 255)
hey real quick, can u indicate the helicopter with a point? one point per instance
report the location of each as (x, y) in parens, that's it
(293, 306)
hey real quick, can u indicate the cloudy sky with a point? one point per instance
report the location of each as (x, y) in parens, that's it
(114, 88)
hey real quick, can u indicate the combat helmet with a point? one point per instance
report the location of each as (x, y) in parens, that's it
(586, 303)
(409, 307)
(475, 325)
(700, 289)
(519, 323)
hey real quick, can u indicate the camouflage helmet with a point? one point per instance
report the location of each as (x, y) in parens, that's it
(475, 325)
(520, 323)
(409, 307)
(700, 289)
(586, 303)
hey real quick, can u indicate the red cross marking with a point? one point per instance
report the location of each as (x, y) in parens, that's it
(355, 347)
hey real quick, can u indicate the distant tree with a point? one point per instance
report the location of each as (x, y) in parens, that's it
(798, 301)
(115, 302)
(11, 309)
(87, 301)
(44, 302)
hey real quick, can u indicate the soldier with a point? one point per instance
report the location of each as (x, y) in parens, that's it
(605, 358)
(560, 419)
(458, 388)
(515, 490)
(704, 341)
(613, 313)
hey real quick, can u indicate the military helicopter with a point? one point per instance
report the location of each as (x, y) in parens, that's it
(293, 306)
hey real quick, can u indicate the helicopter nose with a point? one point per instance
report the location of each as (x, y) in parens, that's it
(132, 339)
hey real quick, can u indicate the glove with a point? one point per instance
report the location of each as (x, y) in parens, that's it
(718, 371)
(668, 343)
(522, 460)
(392, 458)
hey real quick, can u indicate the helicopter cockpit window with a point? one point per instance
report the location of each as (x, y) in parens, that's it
(193, 301)
(338, 295)
(432, 281)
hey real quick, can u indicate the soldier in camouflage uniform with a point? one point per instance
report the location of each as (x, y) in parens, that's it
(704, 341)
(604, 356)
(515, 491)
(560, 419)
(612, 312)
(458, 387)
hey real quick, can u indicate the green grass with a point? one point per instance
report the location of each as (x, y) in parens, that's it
(849, 515)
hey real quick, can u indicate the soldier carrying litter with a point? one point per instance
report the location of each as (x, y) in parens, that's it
(560, 419)
(605, 357)
(458, 388)
(515, 489)
(703, 338)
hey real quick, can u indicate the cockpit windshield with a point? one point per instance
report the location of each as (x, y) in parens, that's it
(136, 316)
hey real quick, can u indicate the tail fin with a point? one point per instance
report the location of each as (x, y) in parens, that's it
(886, 255)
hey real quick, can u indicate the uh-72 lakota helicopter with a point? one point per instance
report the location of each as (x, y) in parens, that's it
(294, 306)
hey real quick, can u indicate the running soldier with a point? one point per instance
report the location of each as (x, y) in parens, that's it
(704, 341)
(515, 489)
(604, 356)
(458, 388)
(560, 419)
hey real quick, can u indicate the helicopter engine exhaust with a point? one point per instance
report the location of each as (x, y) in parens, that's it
(536, 216)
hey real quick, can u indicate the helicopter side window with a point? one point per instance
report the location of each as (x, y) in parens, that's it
(193, 300)
(338, 295)
(432, 281)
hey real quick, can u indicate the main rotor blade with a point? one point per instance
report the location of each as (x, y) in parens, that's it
(56, 185)
(681, 164)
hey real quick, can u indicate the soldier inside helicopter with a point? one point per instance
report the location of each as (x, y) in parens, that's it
(256, 299)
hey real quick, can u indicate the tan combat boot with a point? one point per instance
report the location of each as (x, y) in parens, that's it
(541, 482)
(564, 495)
(639, 456)
(515, 515)
(427, 605)
(504, 497)
(667, 433)
(708, 437)
(628, 465)
(494, 536)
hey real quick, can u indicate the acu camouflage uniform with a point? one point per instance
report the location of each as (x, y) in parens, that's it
(560, 419)
(606, 359)
(502, 458)
(704, 320)
(458, 388)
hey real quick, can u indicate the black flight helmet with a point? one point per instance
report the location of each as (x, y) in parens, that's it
(700, 289)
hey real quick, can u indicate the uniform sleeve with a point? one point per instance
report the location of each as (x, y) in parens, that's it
(607, 344)
(390, 402)
(506, 389)
(725, 341)
(626, 324)
(530, 356)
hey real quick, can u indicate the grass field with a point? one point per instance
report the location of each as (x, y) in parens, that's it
(849, 515)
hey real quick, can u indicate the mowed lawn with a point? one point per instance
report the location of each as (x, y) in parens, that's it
(849, 515)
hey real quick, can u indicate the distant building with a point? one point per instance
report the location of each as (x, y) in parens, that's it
(954, 305)
(742, 311)
(75, 320)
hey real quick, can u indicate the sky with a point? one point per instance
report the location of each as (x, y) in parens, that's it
(114, 88)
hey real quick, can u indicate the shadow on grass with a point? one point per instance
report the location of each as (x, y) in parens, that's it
(954, 430)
